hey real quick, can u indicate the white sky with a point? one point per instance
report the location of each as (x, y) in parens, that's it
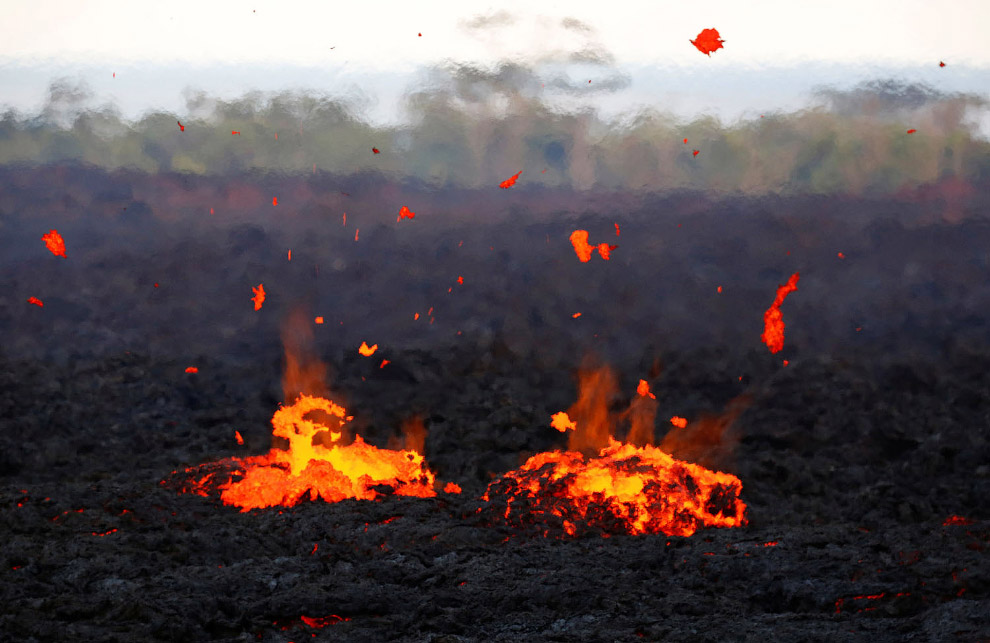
(384, 34)
(776, 51)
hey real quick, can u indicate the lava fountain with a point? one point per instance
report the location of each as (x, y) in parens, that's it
(318, 462)
(613, 487)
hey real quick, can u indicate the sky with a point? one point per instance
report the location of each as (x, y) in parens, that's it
(159, 50)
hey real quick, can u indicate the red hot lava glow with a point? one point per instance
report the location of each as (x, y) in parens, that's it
(612, 486)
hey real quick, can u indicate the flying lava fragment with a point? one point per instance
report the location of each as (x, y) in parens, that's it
(696, 153)
(644, 390)
(509, 182)
(259, 296)
(708, 41)
(375, 150)
(679, 422)
(234, 133)
(562, 422)
(405, 213)
(584, 250)
(55, 243)
(182, 127)
(192, 369)
(35, 301)
(366, 350)
(911, 131)
(773, 320)
(941, 64)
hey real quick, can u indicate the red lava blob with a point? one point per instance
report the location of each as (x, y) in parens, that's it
(375, 150)
(405, 213)
(192, 369)
(509, 182)
(55, 243)
(35, 301)
(911, 131)
(773, 320)
(366, 350)
(696, 153)
(182, 127)
(708, 41)
(259, 296)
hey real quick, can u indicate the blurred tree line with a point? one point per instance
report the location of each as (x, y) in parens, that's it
(468, 127)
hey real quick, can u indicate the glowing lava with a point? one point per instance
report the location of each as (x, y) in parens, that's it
(318, 458)
(773, 320)
(610, 486)
(310, 468)
(54, 242)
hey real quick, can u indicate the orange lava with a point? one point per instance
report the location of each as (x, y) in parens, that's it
(192, 369)
(509, 182)
(603, 484)
(773, 320)
(316, 465)
(405, 213)
(625, 489)
(584, 250)
(259, 296)
(679, 422)
(55, 243)
(35, 301)
(366, 350)
(643, 389)
(708, 41)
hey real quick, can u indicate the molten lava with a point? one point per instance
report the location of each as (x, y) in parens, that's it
(54, 242)
(584, 250)
(311, 468)
(773, 320)
(614, 487)
(318, 459)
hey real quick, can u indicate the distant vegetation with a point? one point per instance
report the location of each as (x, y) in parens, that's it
(469, 128)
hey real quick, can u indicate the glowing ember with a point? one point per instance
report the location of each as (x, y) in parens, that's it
(35, 301)
(562, 422)
(643, 389)
(405, 213)
(708, 41)
(366, 350)
(956, 520)
(192, 369)
(679, 422)
(509, 182)
(773, 320)
(238, 437)
(259, 296)
(603, 484)
(53, 240)
(316, 465)
(584, 250)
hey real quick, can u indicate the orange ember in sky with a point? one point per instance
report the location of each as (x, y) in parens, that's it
(643, 389)
(405, 213)
(509, 182)
(35, 301)
(54, 242)
(366, 350)
(192, 369)
(773, 320)
(584, 250)
(679, 422)
(613, 486)
(238, 437)
(318, 320)
(259, 296)
(562, 422)
(708, 41)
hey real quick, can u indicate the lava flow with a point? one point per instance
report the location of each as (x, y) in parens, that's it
(318, 462)
(609, 486)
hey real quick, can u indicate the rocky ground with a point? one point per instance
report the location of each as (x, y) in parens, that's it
(865, 461)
